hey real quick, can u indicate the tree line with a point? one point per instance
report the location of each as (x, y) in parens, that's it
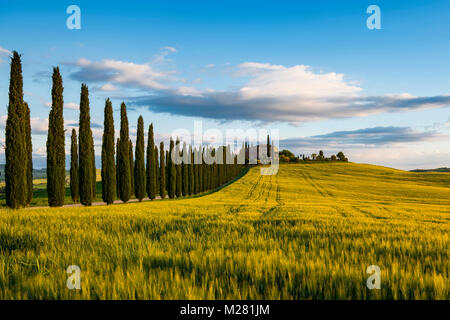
(287, 156)
(142, 172)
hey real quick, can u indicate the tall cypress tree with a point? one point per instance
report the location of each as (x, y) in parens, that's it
(179, 182)
(151, 164)
(195, 172)
(108, 163)
(85, 168)
(191, 172)
(184, 171)
(167, 171)
(117, 168)
(268, 147)
(156, 166)
(124, 156)
(140, 178)
(130, 154)
(94, 170)
(162, 171)
(74, 182)
(16, 151)
(29, 154)
(56, 156)
(172, 177)
(200, 171)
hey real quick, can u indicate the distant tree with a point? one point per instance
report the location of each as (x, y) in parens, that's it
(56, 155)
(29, 155)
(162, 171)
(74, 179)
(341, 156)
(140, 178)
(314, 156)
(85, 169)
(333, 158)
(151, 164)
(287, 154)
(283, 158)
(108, 165)
(123, 154)
(321, 156)
(268, 147)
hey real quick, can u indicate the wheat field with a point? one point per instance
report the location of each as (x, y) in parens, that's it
(309, 232)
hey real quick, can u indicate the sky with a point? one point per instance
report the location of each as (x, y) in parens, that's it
(311, 69)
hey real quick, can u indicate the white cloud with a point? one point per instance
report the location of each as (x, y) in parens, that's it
(288, 94)
(67, 105)
(4, 53)
(108, 87)
(269, 80)
(122, 73)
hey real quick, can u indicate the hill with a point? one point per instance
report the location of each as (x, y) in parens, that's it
(309, 232)
(432, 170)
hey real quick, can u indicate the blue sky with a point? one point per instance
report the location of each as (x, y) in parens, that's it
(311, 69)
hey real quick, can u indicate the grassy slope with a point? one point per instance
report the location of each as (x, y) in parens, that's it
(309, 232)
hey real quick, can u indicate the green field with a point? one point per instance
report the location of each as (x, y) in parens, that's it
(308, 232)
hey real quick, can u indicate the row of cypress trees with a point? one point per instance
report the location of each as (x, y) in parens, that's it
(123, 175)
(154, 173)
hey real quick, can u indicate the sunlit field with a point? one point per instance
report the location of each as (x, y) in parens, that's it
(309, 232)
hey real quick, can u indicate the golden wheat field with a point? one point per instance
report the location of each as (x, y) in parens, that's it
(309, 232)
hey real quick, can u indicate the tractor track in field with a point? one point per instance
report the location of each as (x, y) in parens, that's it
(338, 206)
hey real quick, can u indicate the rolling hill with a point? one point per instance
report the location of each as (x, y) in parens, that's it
(309, 232)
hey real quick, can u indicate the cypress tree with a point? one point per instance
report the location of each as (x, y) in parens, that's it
(85, 149)
(140, 178)
(156, 166)
(172, 177)
(184, 171)
(94, 171)
(190, 171)
(29, 155)
(200, 171)
(56, 156)
(16, 151)
(108, 163)
(130, 154)
(74, 187)
(195, 173)
(117, 168)
(162, 172)
(124, 156)
(151, 164)
(179, 182)
(167, 171)
(268, 147)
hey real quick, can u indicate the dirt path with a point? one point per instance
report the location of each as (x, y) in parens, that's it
(99, 203)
